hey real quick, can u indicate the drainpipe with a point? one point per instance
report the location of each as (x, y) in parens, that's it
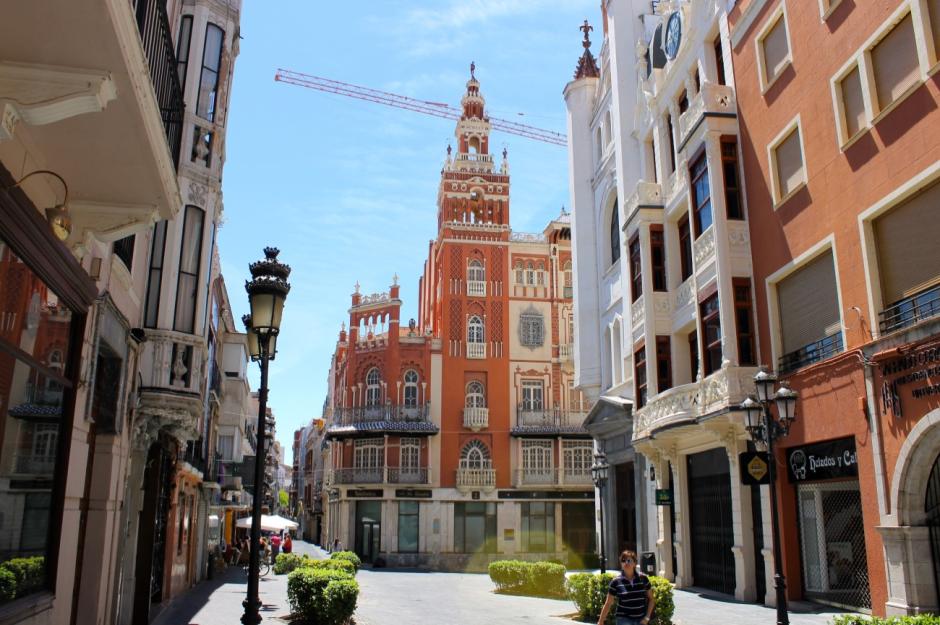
(871, 413)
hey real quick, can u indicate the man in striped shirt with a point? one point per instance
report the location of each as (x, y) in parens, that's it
(633, 593)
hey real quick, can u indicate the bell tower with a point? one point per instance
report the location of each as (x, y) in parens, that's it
(474, 190)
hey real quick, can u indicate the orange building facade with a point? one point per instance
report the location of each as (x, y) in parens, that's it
(457, 439)
(841, 152)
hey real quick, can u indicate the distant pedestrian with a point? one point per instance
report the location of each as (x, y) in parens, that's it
(288, 545)
(335, 545)
(632, 592)
(275, 545)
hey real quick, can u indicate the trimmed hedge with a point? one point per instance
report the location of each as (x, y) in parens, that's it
(920, 619)
(28, 576)
(7, 585)
(588, 591)
(347, 555)
(532, 578)
(322, 596)
(339, 564)
(287, 562)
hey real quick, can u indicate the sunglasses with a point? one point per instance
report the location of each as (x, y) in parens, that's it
(627, 561)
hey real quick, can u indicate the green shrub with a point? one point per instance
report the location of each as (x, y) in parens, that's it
(665, 605)
(546, 578)
(29, 573)
(347, 555)
(287, 562)
(855, 619)
(339, 598)
(588, 591)
(339, 565)
(307, 595)
(509, 575)
(7, 585)
(531, 578)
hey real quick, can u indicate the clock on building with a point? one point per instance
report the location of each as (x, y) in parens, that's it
(673, 35)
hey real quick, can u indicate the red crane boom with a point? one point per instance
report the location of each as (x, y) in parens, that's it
(437, 109)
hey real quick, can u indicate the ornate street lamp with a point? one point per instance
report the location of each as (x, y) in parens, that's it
(764, 431)
(267, 291)
(599, 473)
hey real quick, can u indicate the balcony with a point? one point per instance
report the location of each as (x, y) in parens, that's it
(383, 475)
(476, 351)
(685, 404)
(476, 288)
(349, 422)
(554, 477)
(532, 421)
(397, 475)
(566, 351)
(910, 311)
(711, 101)
(814, 352)
(29, 464)
(108, 69)
(173, 382)
(476, 478)
(646, 195)
(231, 475)
(476, 418)
(472, 161)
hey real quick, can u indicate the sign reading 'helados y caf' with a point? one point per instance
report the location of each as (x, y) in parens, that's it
(823, 461)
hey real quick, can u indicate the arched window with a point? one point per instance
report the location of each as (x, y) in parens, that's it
(520, 273)
(475, 272)
(614, 234)
(373, 388)
(475, 330)
(475, 455)
(540, 276)
(475, 397)
(530, 274)
(411, 388)
(567, 269)
(599, 145)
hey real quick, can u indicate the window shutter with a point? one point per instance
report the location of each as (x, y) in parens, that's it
(809, 303)
(775, 49)
(789, 163)
(907, 242)
(853, 106)
(895, 62)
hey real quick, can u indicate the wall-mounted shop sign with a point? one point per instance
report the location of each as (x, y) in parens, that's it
(663, 496)
(823, 461)
(755, 468)
(544, 494)
(915, 375)
(413, 493)
(365, 492)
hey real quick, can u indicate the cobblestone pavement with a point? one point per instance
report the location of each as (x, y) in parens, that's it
(391, 597)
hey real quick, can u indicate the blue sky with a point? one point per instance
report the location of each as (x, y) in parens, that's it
(347, 189)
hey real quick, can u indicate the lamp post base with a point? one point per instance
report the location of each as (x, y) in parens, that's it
(780, 585)
(252, 615)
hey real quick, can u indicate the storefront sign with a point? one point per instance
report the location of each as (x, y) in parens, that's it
(663, 496)
(916, 373)
(509, 534)
(823, 461)
(365, 492)
(413, 493)
(544, 494)
(755, 468)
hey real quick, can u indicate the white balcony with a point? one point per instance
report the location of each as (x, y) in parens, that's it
(476, 288)
(553, 477)
(473, 478)
(476, 418)
(566, 351)
(646, 195)
(712, 98)
(476, 350)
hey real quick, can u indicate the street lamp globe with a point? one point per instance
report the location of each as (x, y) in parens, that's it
(765, 381)
(752, 409)
(267, 291)
(600, 469)
(786, 403)
(254, 346)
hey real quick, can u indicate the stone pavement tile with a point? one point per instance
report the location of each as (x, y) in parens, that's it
(700, 608)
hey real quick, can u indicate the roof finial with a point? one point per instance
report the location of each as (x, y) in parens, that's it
(357, 286)
(473, 67)
(395, 279)
(586, 28)
(505, 153)
(587, 66)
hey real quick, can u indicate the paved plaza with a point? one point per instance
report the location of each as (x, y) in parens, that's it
(390, 597)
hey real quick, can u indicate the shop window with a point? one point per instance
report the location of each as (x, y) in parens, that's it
(894, 63)
(411, 388)
(685, 248)
(786, 157)
(773, 49)
(408, 526)
(614, 234)
(636, 271)
(663, 364)
(658, 257)
(810, 324)
(206, 101)
(373, 387)
(187, 287)
(538, 526)
(711, 334)
(155, 275)
(182, 49)
(744, 321)
(732, 179)
(475, 527)
(701, 195)
(639, 376)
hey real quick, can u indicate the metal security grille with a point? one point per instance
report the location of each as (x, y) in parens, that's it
(710, 521)
(835, 566)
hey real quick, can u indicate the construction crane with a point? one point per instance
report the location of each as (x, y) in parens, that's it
(437, 109)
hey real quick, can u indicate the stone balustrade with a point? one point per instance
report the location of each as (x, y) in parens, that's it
(476, 418)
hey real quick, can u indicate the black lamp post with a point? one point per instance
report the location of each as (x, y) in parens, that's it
(764, 431)
(267, 291)
(599, 471)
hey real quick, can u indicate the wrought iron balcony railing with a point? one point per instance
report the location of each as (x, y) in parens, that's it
(554, 476)
(814, 352)
(387, 412)
(911, 310)
(476, 478)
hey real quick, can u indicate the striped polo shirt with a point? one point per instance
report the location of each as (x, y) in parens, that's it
(631, 595)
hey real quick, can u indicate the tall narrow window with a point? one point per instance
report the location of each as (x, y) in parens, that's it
(663, 364)
(615, 234)
(411, 388)
(894, 62)
(720, 62)
(209, 80)
(182, 49)
(685, 248)
(475, 396)
(774, 51)
(408, 526)
(693, 354)
(124, 249)
(636, 275)
(683, 102)
(654, 163)
(711, 334)
(658, 256)
(410, 455)
(788, 164)
(852, 103)
(729, 167)
(373, 388)
(639, 374)
(532, 395)
(744, 320)
(569, 284)
(520, 274)
(155, 277)
(475, 272)
(701, 195)
(475, 330)
(190, 264)
(530, 274)
(672, 144)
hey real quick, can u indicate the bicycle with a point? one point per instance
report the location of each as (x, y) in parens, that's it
(264, 565)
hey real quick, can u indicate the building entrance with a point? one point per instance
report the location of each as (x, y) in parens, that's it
(368, 530)
(710, 521)
(932, 510)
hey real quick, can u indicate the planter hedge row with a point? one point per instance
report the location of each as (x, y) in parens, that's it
(530, 578)
(920, 619)
(321, 596)
(588, 591)
(20, 577)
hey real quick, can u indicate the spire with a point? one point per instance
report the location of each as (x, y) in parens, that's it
(587, 66)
